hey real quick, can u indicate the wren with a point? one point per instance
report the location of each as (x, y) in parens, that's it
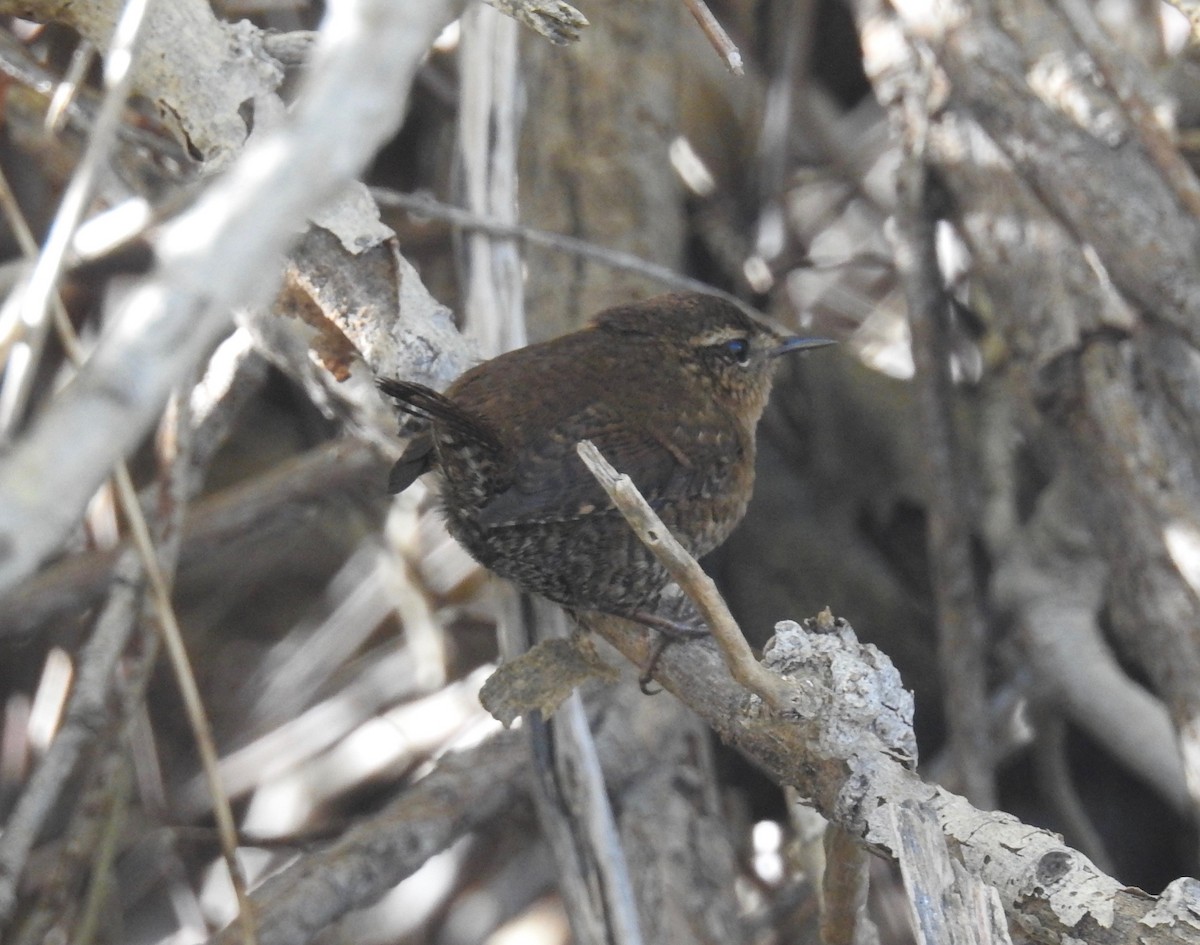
(670, 390)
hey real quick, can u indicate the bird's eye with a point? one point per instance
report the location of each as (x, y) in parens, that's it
(737, 349)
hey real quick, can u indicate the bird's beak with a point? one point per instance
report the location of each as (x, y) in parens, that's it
(799, 344)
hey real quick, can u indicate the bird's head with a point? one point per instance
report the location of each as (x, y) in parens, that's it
(715, 342)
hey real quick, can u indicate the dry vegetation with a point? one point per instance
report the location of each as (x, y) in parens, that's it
(237, 679)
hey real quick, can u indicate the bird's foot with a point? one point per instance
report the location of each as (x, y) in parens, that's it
(687, 629)
(670, 631)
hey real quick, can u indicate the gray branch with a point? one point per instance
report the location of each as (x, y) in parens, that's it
(222, 253)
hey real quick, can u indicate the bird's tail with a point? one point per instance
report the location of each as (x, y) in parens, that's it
(424, 403)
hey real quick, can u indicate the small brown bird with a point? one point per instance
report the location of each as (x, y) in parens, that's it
(670, 390)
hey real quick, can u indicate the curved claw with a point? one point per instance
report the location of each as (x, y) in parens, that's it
(656, 651)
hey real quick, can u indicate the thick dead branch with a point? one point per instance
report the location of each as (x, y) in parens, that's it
(346, 315)
(948, 904)
(559, 22)
(465, 791)
(835, 759)
(248, 524)
(184, 45)
(211, 259)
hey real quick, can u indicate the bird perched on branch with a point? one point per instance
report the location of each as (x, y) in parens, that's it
(670, 390)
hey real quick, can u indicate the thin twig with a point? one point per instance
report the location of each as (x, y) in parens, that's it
(597, 822)
(33, 297)
(423, 205)
(688, 574)
(172, 636)
(66, 90)
(85, 711)
(161, 595)
(725, 47)
(101, 887)
(570, 796)
(17, 64)
(219, 254)
(489, 127)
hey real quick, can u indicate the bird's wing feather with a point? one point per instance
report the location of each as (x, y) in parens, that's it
(550, 482)
(416, 460)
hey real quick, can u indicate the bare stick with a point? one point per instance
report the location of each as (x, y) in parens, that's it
(725, 47)
(85, 711)
(688, 575)
(570, 798)
(489, 127)
(172, 637)
(33, 297)
(845, 883)
(157, 574)
(219, 254)
(559, 22)
(464, 791)
(421, 204)
(66, 90)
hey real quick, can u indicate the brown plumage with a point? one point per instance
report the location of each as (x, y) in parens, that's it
(670, 390)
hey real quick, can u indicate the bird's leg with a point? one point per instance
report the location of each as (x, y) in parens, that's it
(671, 629)
(646, 676)
(687, 624)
